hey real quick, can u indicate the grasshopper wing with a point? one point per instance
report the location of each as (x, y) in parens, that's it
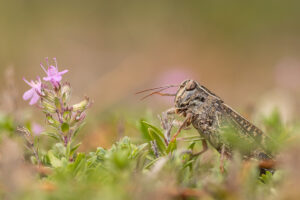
(248, 130)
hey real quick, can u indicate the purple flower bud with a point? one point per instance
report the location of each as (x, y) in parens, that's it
(80, 117)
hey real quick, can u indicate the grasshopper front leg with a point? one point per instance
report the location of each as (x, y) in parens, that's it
(167, 123)
(185, 123)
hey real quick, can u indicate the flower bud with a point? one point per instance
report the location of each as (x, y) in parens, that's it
(67, 115)
(80, 117)
(81, 106)
(48, 95)
(57, 104)
(66, 92)
(52, 121)
(26, 134)
(48, 107)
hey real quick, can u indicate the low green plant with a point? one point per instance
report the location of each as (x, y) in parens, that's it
(153, 168)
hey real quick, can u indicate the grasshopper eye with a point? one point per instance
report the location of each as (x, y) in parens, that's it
(201, 99)
(190, 85)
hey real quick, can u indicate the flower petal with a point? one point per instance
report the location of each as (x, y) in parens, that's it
(28, 94)
(37, 129)
(48, 78)
(54, 83)
(57, 78)
(34, 99)
(28, 83)
(63, 72)
(43, 68)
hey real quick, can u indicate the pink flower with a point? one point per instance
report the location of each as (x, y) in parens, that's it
(175, 76)
(53, 75)
(34, 92)
(37, 129)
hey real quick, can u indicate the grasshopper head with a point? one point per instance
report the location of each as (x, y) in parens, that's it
(188, 94)
(191, 94)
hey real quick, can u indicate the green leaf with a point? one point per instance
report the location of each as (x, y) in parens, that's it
(157, 130)
(77, 130)
(138, 150)
(266, 178)
(55, 162)
(151, 163)
(51, 134)
(120, 158)
(172, 146)
(57, 104)
(68, 150)
(73, 149)
(67, 115)
(192, 145)
(59, 150)
(144, 129)
(65, 127)
(52, 121)
(79, 162)
(159, 141)
(33, 160)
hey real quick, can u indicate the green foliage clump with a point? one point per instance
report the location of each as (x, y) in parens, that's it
(155, 168)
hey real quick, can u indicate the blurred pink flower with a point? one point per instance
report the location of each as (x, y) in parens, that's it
(34, 92)
(37, 129)
(53, 75)
(172, 77)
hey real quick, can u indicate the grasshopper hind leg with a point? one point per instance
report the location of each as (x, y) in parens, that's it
(205, 148)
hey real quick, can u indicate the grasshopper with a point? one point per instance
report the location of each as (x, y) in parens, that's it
(208, 113)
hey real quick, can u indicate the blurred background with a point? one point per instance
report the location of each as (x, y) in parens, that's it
(246, 52)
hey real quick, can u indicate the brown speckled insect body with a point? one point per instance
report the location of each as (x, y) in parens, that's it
(209, 115)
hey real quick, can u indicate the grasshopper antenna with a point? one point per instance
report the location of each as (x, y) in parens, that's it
(159, 90)
(151, 89)
(159, 93)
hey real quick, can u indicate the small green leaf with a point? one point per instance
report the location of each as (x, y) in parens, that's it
(51, 134)
(151, 163)
(59, 149)
(144, 129)
(33, 160)
(55, 162)
(139, 149)
(159, 141)
(79, 162)
(157, 130)
(192, 145)
(68, 150)
(73, 149)
(52, 121)
(78, 129)
(172, 146)
(57, 104)
(65, 128)
(67, 115)
(120, 159)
